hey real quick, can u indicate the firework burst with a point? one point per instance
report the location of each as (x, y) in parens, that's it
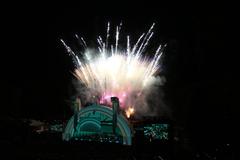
(110, 71)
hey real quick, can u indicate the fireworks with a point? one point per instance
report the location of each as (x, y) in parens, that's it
(129, 112)
(111, 71)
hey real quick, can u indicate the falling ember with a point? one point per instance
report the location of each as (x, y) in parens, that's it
(112, 71)
(129, 112)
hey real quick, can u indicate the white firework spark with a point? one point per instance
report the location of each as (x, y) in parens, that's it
(114, 72)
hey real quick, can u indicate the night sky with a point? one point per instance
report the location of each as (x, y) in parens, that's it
(198, 64)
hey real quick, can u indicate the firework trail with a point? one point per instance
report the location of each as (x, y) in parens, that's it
(111, 71)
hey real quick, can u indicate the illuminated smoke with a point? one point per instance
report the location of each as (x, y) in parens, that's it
(125, 73)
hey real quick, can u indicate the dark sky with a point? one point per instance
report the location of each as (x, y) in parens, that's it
(198, 63)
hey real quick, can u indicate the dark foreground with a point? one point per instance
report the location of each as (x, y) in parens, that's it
(85, 151)
(95, 151)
